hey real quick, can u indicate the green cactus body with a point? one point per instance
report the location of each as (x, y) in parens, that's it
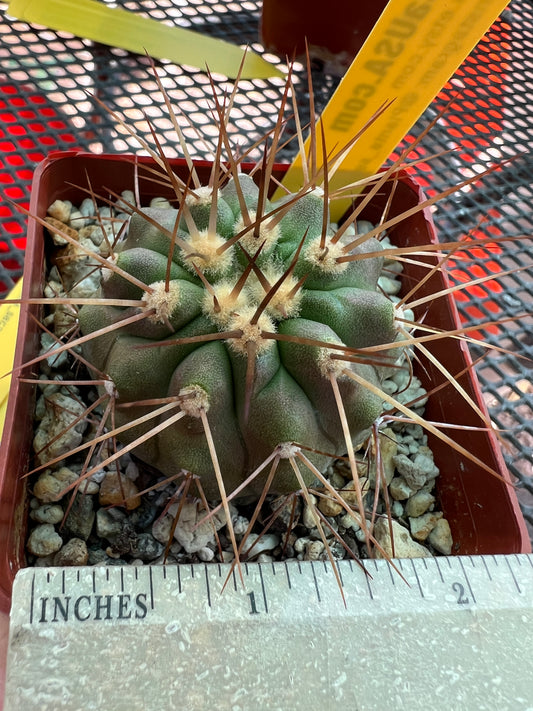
(261, 368)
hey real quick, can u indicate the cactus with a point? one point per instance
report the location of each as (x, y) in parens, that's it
(246, 323)
(241, 338)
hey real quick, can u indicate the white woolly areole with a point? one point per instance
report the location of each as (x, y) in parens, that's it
(161, 301)
(203, 252)
(287, 450)
(325, 258)
(330, 366)
(228, 304)
(268, 235)
(195, 401)
(201, 196)
(251, 332)
(283, 304)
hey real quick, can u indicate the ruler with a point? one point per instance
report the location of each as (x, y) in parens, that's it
(452, 633)
(414, 48)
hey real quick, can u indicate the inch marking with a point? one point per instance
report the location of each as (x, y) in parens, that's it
(62, 582)
(94, 580)
(179, 579)
(122, 580)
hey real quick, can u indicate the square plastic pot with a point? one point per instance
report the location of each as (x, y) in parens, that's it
(333, 32)
(482, 509)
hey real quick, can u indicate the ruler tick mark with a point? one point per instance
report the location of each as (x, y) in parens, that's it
(32, 597)
(392, 574)
(513, 576)
(315, 581)
(417, 578)
(94, 579)
(179, 578)
(288, 576)
(263, 587)
(467, 580)
(207, 586)
(152, 601)
(62, 582)
(438, 568)
(367, 578)
(122, 580)
(486, 568)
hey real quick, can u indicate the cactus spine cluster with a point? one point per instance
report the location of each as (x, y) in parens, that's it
(253, 320)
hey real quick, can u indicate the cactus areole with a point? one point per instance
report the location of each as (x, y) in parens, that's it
(246, 325)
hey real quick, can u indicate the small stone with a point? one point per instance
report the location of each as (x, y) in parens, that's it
(421, 526)
(89, 487)
(74, 552)
(389, 286)
(47, 513)
(240, 525)
(60, 210)
(441, 537)
(287, 511)
(109, 523)
(349, 494)
(61, 428)
(264, 558)
(329, 507)
(399, 489)
(419, 503)
(146, 548)
(192, 531)
(404, 546)
(44, 540)
(50, 486)
(144, 515)
(255, 544)
(160, 202)
(314, 550)
(58, 228)
(116, 490)
(162, 527)
(309, 515)
(206, 554)
(80, 519)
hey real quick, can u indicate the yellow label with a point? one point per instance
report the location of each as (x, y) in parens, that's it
(414, 48)
(120, 28)
(9, 321)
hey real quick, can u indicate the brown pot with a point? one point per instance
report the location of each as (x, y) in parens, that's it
(334, 31)
(482, 510)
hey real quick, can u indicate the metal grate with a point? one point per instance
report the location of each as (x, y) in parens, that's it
(44, 77)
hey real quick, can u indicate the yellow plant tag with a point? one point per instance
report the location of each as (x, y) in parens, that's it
(9, 321)
(414, 48)
(121, 28)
